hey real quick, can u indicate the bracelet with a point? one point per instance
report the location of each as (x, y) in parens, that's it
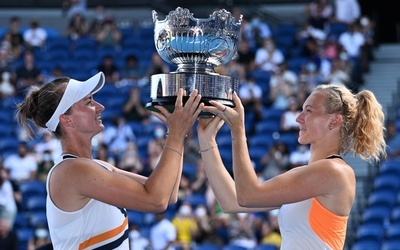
(205, 150)
(167, 133)
(173, 149)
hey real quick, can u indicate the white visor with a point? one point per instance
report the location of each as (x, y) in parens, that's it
(74, 92)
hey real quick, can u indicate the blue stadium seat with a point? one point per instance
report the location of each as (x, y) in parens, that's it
(224, 139)
(395, 215)
(24, 235)
(393, 232)
(136, 217)
(390, 166)
(32, 188)
(234, 247)
(206, 246)
(268, 126)
(36, 204)
(382, 198)
(391, 245)
(366, 245)
(56, 43)
(386, 181)
(266, 247)
(336, 29)
(38, 219)
(370, 232)
(21, 221)
(376, 214)
(195, 200)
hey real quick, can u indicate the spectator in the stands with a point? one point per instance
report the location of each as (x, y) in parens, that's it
(16, 37)
(276, 160)
(283, 84)
(256, 31)
(246, 56)
(157, 66)
(8, 202)
(8, 86)
(155, 147)
(130, 159)
(41, 238)
(347, 11)
(186, 226)
(268, 57)
(35, 36)
(162, 233)
(6, 60)
(289, 116)
(134, 108)
(319, 14)
(22, 165)
(337, 75)
(109, 35)
(392, 139)
(75, 6)
(77, 27)
(28, 74)
(117, 136)
(8, 237)
(251, 94)
(110, 69)
(299, 156)
(132, 71)
(352, 41)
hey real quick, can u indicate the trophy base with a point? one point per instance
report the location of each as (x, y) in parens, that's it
(164, 89)
(169, 104)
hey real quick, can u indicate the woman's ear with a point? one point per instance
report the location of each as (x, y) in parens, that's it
(66, 121)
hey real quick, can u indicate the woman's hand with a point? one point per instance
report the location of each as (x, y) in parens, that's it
(181, 120)
(234, 117)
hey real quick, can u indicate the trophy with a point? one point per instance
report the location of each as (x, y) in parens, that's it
(196, 46)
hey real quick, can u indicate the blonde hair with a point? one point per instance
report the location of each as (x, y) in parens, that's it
(362, 130)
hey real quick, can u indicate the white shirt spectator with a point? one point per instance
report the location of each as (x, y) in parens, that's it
(35, 36)
(8, 206)
(352, 41)
(268, 57)
(161, 234)
(347, 11)
(21, 166)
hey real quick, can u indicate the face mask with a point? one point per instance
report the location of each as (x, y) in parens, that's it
(311, 67)
(201, 212)
(6, 76)
(158, 133)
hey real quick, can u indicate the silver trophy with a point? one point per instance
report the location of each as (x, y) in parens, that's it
(196, 46)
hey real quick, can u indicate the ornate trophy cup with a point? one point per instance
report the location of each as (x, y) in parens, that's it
(196, 46)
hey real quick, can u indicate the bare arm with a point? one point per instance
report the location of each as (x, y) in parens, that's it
(128, 190)
(219, 178)
(318, 179)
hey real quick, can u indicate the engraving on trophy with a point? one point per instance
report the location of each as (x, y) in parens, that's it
(196, 46)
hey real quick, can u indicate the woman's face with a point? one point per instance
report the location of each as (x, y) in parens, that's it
(313, 119)
(86, 115)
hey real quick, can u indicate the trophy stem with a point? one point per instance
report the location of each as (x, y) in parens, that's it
(201, 68)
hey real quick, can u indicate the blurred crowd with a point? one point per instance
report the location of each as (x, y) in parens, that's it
(277, 67)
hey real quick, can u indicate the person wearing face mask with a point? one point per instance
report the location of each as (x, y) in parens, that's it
(186, 226)
(268, 57)
(7, 86)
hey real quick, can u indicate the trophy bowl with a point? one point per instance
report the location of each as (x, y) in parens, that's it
(196, 46)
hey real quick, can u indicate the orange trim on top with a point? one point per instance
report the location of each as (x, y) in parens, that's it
(331, 228)
(104, 236)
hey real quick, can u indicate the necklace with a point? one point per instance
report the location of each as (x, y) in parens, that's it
(333, 156)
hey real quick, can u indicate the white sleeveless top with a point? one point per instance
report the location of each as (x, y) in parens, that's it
(96, 226)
